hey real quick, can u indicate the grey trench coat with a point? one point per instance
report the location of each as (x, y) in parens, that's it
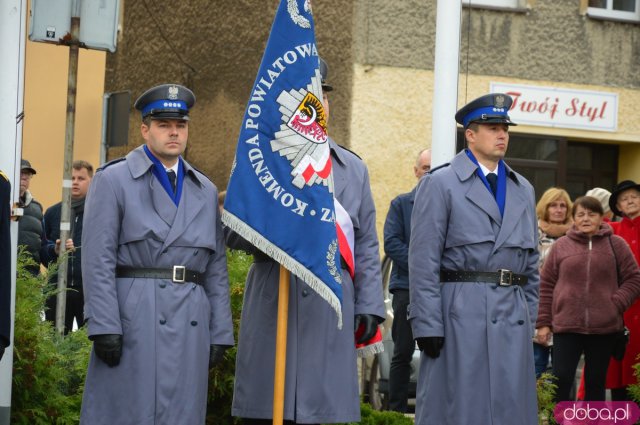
(485, 372)
(321, 375)
(167, 327)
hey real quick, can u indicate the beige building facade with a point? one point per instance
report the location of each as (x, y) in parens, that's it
(544, 46)
(45, 107)
(381, 57)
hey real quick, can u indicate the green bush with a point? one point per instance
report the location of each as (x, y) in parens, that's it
(369, 416)
(634, 389)
(546, 389)
(221, 378)
(48, 370)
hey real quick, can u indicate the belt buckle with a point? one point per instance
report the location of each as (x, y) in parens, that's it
(179, 274)
(506, 277)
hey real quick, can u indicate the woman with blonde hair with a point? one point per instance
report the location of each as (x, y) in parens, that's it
(554, 220)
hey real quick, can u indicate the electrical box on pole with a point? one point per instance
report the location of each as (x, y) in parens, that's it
(50, 22)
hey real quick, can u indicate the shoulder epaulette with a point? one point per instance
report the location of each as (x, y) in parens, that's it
(438, 167)
(4, 175)
(110, 163)
(347, 149)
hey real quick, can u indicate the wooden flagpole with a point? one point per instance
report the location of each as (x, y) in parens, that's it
(281, 346)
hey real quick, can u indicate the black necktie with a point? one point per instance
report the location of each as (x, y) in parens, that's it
(492, 178)
(172, 179)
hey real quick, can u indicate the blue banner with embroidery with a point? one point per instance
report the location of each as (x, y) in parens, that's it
(280, 192)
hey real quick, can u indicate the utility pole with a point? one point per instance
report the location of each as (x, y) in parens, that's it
(446, 66)
(65, 225)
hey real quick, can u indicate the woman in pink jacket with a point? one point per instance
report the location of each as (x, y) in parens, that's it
(582, 301)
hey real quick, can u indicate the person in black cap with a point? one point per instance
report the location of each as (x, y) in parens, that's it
(30, 228)
(473, 280)
(154, 275)
(5, 263)
(625, 202)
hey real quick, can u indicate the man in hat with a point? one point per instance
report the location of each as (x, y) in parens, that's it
(397, 233)
(321, 373)
(473, 278)
(154, 275)
(30, 230)
(625, 202)
(5, 263)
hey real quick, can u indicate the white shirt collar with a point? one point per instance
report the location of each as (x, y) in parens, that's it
(174, 168)
(486, 171)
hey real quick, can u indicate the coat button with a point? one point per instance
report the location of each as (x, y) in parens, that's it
(305, 292)
(494, 320)
(163, 285)
(163, 321)
(521, 322)
(194, 323)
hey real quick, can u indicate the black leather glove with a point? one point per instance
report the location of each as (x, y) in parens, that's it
(431, 345)
(108, 348)
(370, 325)
(216, 355)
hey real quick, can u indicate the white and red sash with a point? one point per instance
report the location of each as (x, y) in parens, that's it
(346, 244)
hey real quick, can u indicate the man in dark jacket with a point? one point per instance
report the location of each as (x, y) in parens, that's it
(80, 180)
(397, 229)
(30, 232)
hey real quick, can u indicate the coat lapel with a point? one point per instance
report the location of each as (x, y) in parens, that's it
(479, 195)
(477, 192)
(140, 168)
(162, 203)
(514, 208)
(191, 203)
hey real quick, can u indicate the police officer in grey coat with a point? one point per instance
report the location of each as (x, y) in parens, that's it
(321, 380)
(473, 280)
(155, 277)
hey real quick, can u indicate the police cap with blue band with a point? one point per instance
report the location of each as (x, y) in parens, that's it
(167, 101)
(488, 109)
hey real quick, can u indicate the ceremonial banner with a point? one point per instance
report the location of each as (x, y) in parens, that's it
(280, 193)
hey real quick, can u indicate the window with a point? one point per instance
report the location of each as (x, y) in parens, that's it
(497, 4)
(622, 10)
(554, 161)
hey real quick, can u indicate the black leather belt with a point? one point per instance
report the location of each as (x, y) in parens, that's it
(502, 277)
(177, 274)
(259, 257)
